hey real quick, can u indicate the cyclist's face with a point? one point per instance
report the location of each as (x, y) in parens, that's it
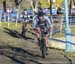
(41, 18)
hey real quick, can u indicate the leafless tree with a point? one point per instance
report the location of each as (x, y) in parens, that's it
(34, 4)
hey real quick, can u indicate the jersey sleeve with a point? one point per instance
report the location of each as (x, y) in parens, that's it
(48, 21)
(34, 22)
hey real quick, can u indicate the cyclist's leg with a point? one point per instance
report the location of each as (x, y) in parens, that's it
(46, 38)
(46, 41)
(28, 26)
(37, 32)
(23, 29)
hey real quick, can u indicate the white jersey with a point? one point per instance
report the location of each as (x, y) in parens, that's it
(35, 21)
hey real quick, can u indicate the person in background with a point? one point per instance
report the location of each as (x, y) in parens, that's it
(25, 22)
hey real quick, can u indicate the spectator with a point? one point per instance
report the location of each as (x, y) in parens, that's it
(59, 10)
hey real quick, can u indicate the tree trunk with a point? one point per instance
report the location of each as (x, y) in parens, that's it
(70, 7)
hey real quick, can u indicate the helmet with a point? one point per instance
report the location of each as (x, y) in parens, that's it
(40, 14)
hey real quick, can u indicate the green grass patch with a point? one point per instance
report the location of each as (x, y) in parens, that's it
(12, 25)
(59, 35)
(72, 29)
(62, 34)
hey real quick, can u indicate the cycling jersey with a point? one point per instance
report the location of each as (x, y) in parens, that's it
(25, 18)
(46, 23)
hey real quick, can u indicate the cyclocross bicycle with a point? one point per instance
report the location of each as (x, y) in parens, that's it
(42, 42)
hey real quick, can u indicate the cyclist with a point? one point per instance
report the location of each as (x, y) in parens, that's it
(41, 20)
(25, 23)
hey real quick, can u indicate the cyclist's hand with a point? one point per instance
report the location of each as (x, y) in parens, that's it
(38, 30)
(49, 29)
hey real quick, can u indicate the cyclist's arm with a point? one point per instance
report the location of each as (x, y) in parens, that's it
(48, 23)
(34, 22)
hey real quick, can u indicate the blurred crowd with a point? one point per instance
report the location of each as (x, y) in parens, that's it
(11, 14)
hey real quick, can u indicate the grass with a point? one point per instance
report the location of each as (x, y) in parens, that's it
(62, 33)
(71, 54)
(11, 25)
(19, 25)
(73, 29)
(11, 36)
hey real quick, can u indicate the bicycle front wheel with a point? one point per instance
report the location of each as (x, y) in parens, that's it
(43, 48)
